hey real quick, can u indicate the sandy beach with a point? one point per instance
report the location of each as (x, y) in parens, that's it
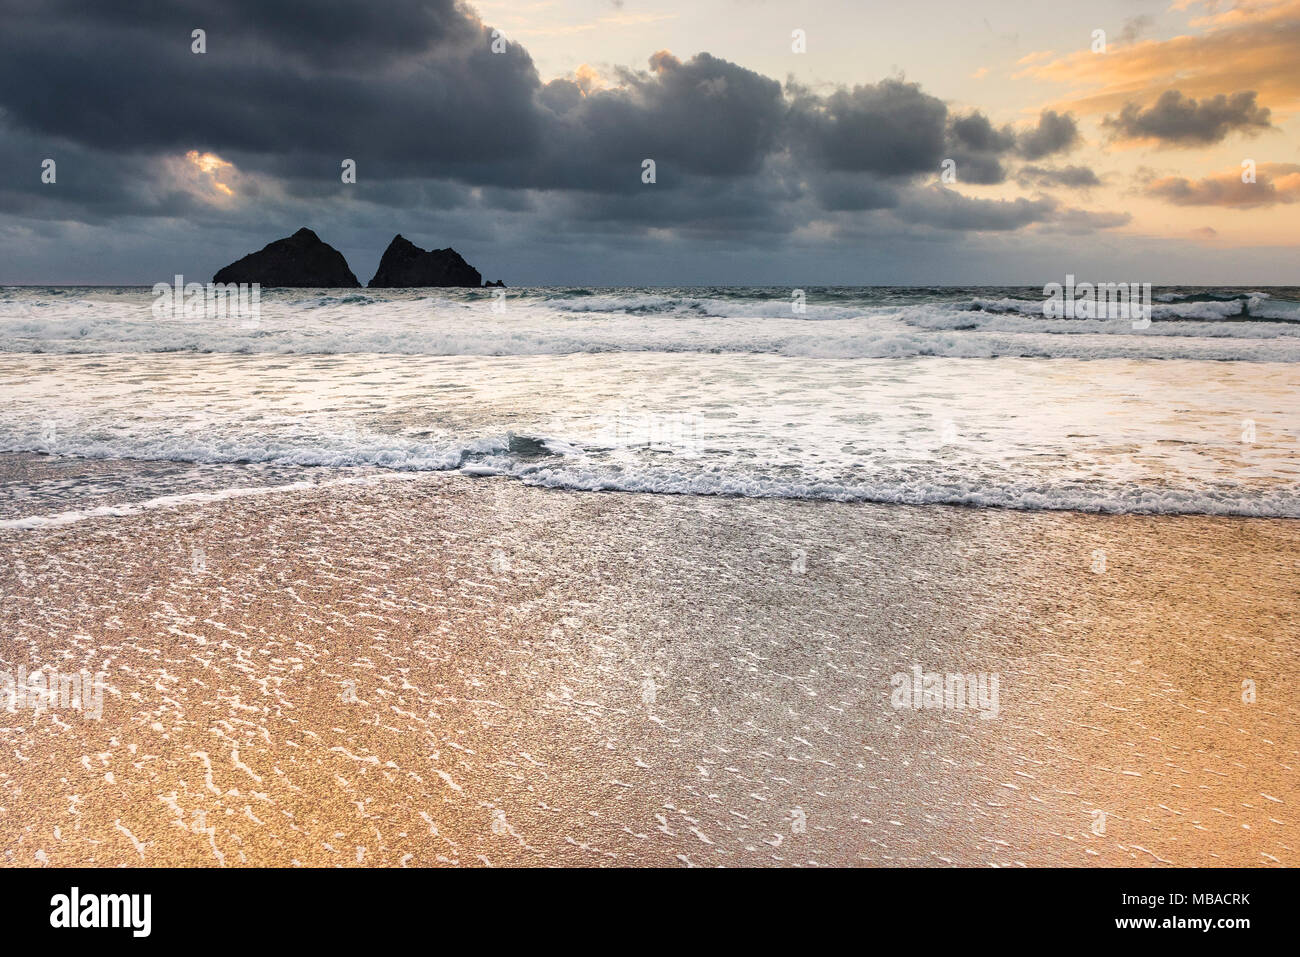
(432, 669)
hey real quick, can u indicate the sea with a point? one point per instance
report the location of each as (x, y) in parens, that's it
(963, 396)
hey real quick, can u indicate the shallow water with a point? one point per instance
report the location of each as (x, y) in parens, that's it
(438, 670)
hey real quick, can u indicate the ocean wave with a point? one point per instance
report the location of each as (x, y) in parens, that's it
(1021, 497)
(72, 516)
(560, 462)
(1254, 326)
(897, 332)
(1024, 497)
(712, 308)
(1169, 308)
(339, 450)
(1027, 320)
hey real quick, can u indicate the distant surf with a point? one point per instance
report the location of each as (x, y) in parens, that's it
(850, 323)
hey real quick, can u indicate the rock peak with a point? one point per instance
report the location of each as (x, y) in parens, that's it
(405, 264)
(301, 260)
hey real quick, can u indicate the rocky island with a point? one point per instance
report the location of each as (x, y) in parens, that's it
(405, 264)
(305, 260)
(301, 260)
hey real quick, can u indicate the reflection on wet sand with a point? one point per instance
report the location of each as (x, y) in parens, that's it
(457, 671)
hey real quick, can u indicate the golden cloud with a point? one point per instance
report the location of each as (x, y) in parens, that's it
(1272, 183)
(1252, 46)
(212, 166)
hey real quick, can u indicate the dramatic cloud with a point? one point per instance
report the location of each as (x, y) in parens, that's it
(946, 209)
(852, 192)
(446, 120)
(429, 91)
(1055, 133)
(1274, 183)
(977, 146)
(975, 132)
(1251, 46)
(891, 128)
(1176, 120)
(704, 117)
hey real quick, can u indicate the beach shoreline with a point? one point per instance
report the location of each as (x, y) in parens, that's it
(447, 670)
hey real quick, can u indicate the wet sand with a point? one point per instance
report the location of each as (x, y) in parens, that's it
(444, 670)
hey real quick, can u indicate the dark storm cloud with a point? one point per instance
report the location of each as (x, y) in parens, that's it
(978, 147)
(1177, 120)
(975, 132)
(981, 168)
(891, 128)
(90, 185)
(702, 117)
(1055, 133)
(431, 91)
(946, 209)
(760, 209)
(852, 192)
(439, 124)
(426, 94)
(706, 115)
(341, 33)
(975, 145)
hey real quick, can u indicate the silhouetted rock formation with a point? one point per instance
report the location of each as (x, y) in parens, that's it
(405, 264)
(500, 282)
(299, 260)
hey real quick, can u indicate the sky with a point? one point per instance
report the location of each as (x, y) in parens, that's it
(794, 144)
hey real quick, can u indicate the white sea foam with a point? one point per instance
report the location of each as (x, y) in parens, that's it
(877, 396)
(174, 501)
(1112, 500)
